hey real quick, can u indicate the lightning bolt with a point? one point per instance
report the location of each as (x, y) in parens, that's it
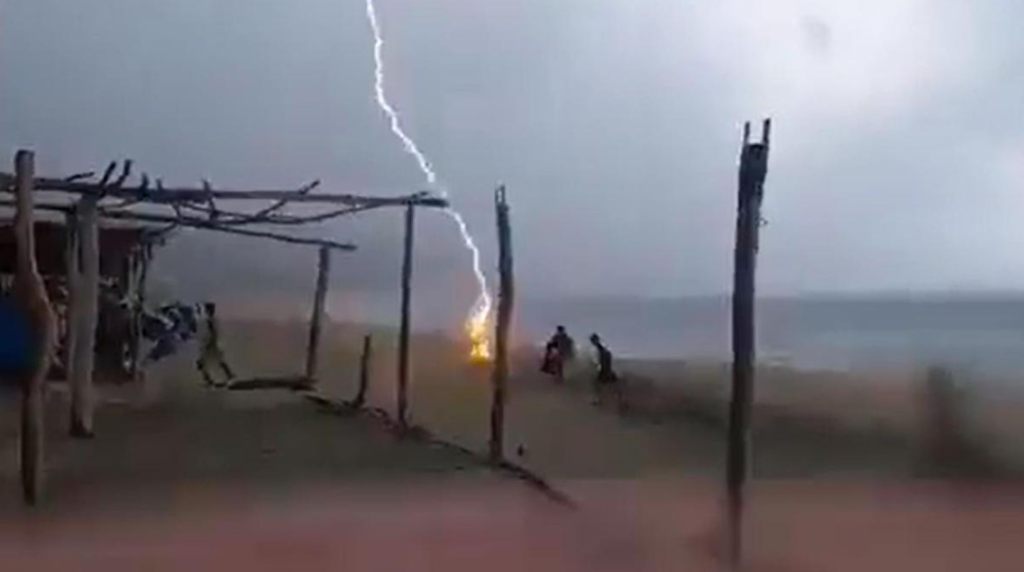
(476, 321)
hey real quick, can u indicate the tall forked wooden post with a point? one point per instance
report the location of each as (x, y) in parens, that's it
(83, 312)
(403, 333)
(506, 299)
(319, 308)
(33, 302)
(752, 172)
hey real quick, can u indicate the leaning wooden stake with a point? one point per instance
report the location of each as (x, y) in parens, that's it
(364, 372)
(30, 294)
(506, 297)
(85, 319)
(316, 321)
(753, 168)
(403, 334)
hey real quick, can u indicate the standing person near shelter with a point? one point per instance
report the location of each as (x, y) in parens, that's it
(171, 326)
(16, 351)
(162, 328)
(211, 353)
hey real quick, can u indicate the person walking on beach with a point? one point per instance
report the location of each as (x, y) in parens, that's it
(606, 376)
(559, 350)
(211, 353)
(565, 344)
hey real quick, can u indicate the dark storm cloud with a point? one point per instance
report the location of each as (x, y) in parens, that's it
(614, 124)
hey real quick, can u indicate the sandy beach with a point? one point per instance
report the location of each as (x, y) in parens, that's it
(182, 476)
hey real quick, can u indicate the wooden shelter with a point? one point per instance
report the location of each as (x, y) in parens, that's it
(90, 255)
(125, 250)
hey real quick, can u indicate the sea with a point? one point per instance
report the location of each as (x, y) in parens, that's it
(981, 333)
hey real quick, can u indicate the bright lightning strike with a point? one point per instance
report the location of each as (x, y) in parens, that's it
(476, 322)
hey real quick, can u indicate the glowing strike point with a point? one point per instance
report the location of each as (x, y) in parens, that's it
(477, 321)
(480, 343)
(479, 315)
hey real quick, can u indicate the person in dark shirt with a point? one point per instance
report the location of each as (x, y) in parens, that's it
(16, 351)
(605, 372)
(166, 328)
(606, 376)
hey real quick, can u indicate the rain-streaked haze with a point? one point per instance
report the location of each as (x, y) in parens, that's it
(897, 160)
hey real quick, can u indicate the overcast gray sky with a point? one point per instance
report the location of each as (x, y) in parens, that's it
(898, 149)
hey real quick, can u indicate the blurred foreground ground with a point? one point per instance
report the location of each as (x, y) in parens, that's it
(620, 525)
(180, 477)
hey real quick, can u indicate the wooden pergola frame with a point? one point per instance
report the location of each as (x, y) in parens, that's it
(109, 197)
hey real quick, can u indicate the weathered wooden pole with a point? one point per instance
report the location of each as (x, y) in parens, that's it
(85, 319)
(506, 299)
(752, 171)
(139, 306)
(316, 321)
(70, 304)
(364, 372)
(403, 333)
(30, 293)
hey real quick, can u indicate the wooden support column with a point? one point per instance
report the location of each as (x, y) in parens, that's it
(86, 302)
(506, 298)
(30, 294)
(73, 271)
(139, 306)
(364, 372)
(403, 333)
(316, 321)
(752, 172)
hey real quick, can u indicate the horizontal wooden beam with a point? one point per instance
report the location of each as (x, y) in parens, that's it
(200, 224)
(165, 195)
(297, 383)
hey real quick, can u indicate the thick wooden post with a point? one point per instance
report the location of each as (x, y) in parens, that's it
(85, 319)
(403, 333)
(316, 321)
(139, 307)
(753, 168)
(506, 298)
(364, 372)
(30, 293)
(71, 304)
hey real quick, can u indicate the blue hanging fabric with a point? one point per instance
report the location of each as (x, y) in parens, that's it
(16, 352)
